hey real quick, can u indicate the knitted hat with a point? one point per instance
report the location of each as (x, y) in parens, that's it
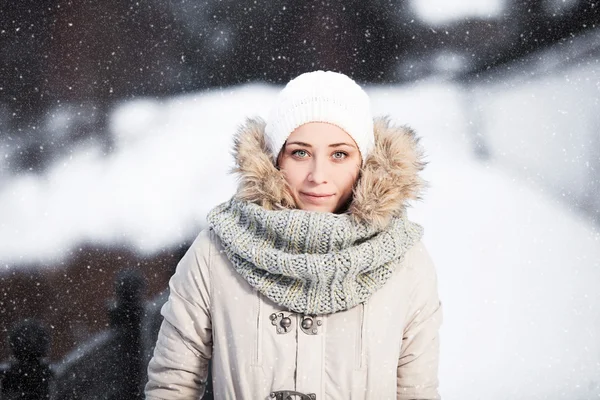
(321, 96)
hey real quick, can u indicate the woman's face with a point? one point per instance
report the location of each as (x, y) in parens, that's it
(320, 163)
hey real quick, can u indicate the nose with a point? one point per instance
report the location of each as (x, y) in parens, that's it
(318, 171)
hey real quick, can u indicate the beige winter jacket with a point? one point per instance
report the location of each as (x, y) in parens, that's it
(386, 348)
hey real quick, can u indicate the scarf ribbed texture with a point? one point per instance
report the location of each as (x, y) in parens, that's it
(311, 262)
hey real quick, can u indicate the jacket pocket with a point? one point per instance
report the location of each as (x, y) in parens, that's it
(361, 337)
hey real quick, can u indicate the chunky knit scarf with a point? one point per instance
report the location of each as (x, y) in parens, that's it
(311, 262)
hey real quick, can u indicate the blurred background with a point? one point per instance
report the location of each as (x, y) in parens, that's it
(116, 120)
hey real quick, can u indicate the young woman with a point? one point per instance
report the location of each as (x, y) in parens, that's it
(310, 283)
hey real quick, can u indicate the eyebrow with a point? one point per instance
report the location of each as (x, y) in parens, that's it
(331, 145)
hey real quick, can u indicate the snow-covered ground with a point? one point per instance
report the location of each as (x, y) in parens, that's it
(518, 272)
(539, 117)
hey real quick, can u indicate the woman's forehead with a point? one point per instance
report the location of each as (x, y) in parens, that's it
(320, 134)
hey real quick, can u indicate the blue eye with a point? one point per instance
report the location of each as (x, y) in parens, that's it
(300, 153)
(339, 155)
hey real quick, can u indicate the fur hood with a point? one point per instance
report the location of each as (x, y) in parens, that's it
(388, 179)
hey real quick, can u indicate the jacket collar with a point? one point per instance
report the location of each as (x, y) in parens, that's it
(389, 177)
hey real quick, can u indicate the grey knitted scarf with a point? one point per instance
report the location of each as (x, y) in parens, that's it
(307, 261)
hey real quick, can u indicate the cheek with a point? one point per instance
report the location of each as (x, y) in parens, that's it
(293, 176)
(347, 179)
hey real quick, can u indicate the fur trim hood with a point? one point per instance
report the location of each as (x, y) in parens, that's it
(388, 179)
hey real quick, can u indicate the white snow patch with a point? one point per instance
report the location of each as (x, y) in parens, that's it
(443, 11)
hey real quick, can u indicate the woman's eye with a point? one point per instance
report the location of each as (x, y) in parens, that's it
(300, 153)
(339, 155)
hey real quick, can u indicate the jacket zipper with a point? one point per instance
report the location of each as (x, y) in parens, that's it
(259, 326)
(361, 337)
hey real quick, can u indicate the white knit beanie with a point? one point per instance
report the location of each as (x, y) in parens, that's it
(321, 96)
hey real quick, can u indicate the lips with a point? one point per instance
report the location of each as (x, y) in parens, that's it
(316, 194)
(316, 198)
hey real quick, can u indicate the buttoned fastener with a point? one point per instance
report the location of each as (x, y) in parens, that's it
(311, 324)
(282, 322)
(292, 395)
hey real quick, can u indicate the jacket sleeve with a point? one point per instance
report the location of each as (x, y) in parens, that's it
(419, 356)
(179, 366)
